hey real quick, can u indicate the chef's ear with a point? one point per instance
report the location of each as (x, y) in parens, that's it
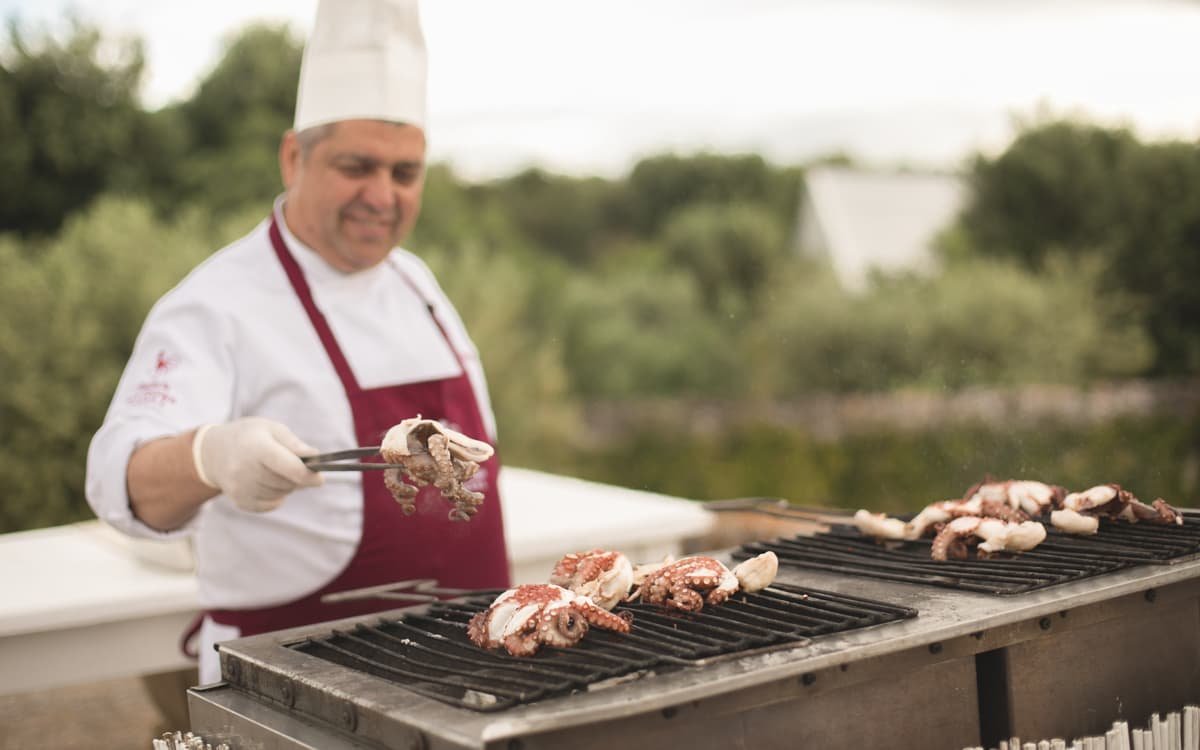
(290, 155)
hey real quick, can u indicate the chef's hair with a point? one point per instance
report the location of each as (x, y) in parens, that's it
(310, 137)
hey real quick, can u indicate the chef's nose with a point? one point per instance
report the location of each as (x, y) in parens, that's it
(380, 191)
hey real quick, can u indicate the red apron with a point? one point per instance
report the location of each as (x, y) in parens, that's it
(394, 546)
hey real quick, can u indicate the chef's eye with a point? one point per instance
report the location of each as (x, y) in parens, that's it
(354, 169)
(405, 175)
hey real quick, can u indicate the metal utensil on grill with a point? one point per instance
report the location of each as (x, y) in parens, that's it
(337, 460)
(779, 508)
(415, 590)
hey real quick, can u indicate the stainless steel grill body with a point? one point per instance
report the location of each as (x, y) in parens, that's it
(972, 667)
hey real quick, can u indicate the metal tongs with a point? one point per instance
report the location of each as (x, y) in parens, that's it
(336, 461)
(779, 508)
(415, 590)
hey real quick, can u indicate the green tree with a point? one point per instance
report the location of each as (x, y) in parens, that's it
(1084, 191)
(72, 122)
(566, 217)
(536, 412)
(981, 322)
(1053, 188)
(631, 333)
(234, 122)
(661, 185)
(731, 250)
(68, 318)
(1156, 252)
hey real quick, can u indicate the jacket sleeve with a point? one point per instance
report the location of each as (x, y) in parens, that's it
(178, 377)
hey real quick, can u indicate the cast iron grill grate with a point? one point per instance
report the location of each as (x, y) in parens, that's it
(430, 654)
(1059, 559)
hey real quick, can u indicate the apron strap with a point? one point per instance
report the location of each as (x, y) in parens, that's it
(433, 316)
(186, 646)
(300, 284)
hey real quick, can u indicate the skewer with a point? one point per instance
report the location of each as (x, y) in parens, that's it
(1175, 730)
(1122, 729)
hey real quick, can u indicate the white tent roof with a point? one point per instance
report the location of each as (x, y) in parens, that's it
(863, 220)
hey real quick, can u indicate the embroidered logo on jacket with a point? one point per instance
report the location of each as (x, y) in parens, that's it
(155, 391)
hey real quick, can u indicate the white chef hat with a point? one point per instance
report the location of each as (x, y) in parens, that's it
(365, 59)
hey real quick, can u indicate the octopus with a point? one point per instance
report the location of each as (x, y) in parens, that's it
(954, 539)
(690, 583)
(1074, 522)
(880, 525)
(429, 453)
(933, 516)
(988, 503)
(1030, 497)
(523, 619)
(758, 572)
(603, 576)
(1080, 512)
(1035, 498)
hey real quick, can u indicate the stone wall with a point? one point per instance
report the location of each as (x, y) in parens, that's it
(829, 417)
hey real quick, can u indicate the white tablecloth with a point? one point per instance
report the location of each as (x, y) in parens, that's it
(83, 602)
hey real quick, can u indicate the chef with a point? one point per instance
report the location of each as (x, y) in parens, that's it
(312, 333)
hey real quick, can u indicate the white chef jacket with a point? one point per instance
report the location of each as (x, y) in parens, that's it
(232, 340)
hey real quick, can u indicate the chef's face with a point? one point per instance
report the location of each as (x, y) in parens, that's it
(354, 194)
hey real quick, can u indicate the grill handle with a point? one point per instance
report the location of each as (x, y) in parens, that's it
(416, 590)
(779, 508)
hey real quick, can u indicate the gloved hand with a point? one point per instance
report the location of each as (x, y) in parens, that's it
(255, 461)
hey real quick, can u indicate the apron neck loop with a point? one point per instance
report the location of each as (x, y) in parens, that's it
(324, 332)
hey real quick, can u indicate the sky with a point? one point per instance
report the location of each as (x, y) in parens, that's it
(587, 87)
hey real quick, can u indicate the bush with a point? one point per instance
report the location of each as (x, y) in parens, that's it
(897, 472)
(979, 322)
(536, 413)
(634, 333)
(68, 317)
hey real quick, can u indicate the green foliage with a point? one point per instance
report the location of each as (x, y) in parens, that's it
(661, 185)
(234, 122)
(1076, 262)
(450, 215)
(1157, 252)
(730, 250)
(1054, 187)
(903, 471)
(72, 124)
(68, 317)
(978, 322)
(627, 333)
(564, 217)
(1082, 190)
(536, 414)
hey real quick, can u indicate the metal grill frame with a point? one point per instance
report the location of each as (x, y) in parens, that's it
(272, 689)
(429, 653)
(1061, 558)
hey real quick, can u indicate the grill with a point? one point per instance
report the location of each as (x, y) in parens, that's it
(1064, 660)
(429, 653)
(1061, 558)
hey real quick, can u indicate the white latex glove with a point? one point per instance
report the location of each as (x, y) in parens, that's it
(255, 461)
